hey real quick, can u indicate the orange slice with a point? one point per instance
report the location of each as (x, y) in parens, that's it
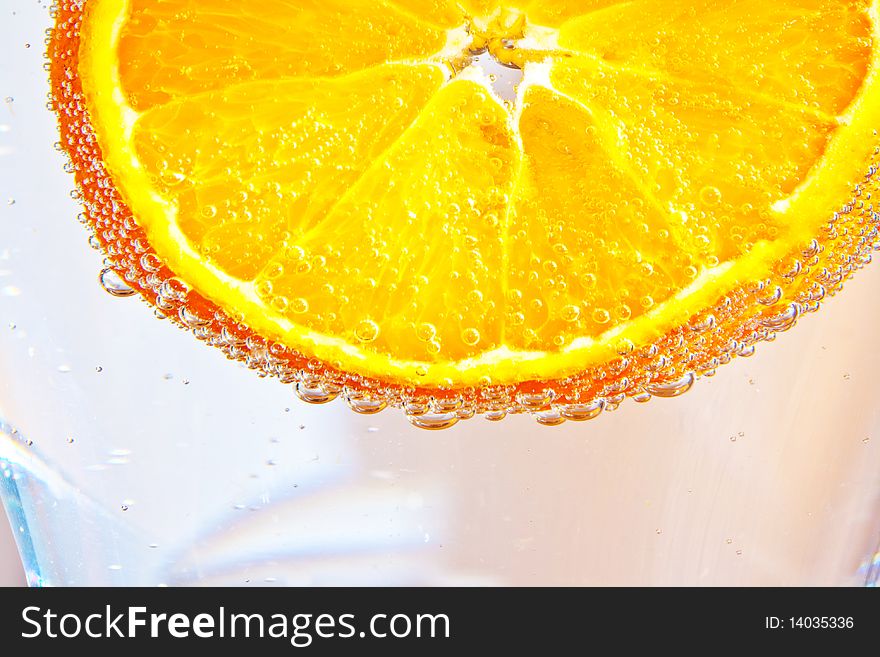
(334, 192)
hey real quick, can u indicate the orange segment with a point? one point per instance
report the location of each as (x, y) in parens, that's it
(296, 146)
(715, 162)
(171, 49)
(809, 53)
(587, 252)
(376, 284)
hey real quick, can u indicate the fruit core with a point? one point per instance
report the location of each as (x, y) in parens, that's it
(497, 50)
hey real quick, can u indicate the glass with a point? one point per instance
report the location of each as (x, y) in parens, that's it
(132, 455)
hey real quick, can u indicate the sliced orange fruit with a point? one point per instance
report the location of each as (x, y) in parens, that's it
(335, 192)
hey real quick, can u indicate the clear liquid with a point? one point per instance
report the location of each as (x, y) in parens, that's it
(132, 454)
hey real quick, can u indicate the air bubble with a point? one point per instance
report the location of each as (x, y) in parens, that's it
(466, 413)
(535, 401)
(571, 313)
(623, 312)
(549, 418)
(470, 336)
(447, 405)
(190, 318)
(366, 330)
(582, 412)
(672, 388)
(771, 297)
(495, 415)
(114, 285)
(315, 394)
(173, 289)
(415, 408)
(706, 324)
(279, 304)
(434, 421)
(783, 321)
(151, 262)
(710, 195)
(613, 401)
(426, 332)
(601, 316)
(273, 270)
(624, 347)
(263, 289)
(363, 404)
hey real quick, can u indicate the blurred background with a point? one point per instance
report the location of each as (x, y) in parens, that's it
(11, 572)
